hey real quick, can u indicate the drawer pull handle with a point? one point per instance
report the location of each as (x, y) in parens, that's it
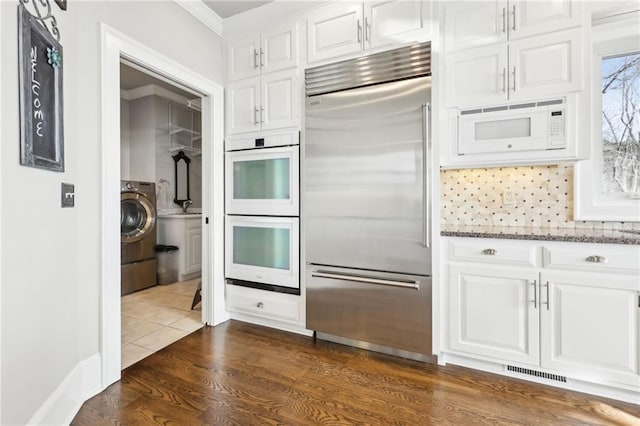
(260, 305)
(596, 259)
(490, 252)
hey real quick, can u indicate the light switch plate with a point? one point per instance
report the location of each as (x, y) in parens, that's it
(68, 195)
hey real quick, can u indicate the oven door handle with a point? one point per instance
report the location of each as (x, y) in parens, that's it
(367, 280)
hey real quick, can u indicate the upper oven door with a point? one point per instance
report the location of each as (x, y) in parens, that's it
(263, 181)
(503, 131)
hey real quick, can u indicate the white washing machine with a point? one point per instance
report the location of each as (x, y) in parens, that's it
(138, 235)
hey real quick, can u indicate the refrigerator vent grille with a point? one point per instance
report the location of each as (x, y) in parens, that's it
(537, 373)
(399, 64)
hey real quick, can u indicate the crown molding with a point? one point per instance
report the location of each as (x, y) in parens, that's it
(203, 14)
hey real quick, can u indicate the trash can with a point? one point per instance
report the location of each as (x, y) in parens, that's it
(167, 258)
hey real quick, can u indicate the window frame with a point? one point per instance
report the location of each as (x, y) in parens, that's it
(617, 35)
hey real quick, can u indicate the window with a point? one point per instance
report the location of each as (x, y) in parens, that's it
(621, 124)
(607, 184)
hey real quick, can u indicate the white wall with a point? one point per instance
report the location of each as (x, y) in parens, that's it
(125, 140)
(49, 312)
(142, 146)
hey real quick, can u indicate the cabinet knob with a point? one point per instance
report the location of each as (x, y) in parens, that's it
(596, 259)
(260, 305)
(490, 252)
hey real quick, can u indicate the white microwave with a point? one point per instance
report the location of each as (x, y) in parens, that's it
(529, 126)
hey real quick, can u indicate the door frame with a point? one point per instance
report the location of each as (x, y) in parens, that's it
(114, 46)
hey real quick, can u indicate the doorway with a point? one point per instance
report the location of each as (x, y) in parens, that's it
(160, 212)
(115, 48)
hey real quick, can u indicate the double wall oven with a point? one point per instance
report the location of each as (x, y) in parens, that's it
(262, 211)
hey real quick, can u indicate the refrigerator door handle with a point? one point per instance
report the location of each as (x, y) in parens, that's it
(365, 279)
(426, 170)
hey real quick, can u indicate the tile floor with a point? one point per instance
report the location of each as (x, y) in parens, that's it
(156, 317)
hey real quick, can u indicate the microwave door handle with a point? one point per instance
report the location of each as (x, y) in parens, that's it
(426, 142)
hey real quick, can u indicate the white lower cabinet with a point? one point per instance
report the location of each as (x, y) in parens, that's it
(571, 313)
(591, 325)
(494, 313)
(185, 232)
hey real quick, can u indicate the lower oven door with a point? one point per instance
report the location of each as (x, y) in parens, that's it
(380, 308)
(263, 250)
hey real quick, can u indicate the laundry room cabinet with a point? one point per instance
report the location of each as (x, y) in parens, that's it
(185, 232)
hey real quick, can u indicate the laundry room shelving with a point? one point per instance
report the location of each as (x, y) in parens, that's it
(184, 129)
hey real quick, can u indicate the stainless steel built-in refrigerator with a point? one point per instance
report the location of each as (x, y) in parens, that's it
(366, 214)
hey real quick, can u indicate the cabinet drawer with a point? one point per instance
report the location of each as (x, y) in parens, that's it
(494, 251)
(593, 257)
(279, 306)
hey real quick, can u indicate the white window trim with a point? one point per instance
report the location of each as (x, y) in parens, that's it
(619, 36)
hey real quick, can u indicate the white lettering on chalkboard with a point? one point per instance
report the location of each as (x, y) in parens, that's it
(38, 115)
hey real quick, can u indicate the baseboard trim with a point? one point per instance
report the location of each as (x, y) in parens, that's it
(65, 401)
(620, 393)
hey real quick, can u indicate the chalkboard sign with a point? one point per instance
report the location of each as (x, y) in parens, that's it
(41, 116)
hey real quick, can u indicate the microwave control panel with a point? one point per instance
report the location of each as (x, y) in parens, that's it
(556, 128)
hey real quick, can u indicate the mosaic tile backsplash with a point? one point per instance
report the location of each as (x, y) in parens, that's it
(538, 196)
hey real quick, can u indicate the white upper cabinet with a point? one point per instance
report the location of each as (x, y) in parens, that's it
(545, 65)
(473, 24)
(390, 22)
(279, 103)
(531, 68)
(477, 76)
(271, 51)
(499, 50)
(347, 29)
(244, 59)
(261, 103)
(533, 17)
(279, 49)
(334, 30)
(243, 106)
(478, 23)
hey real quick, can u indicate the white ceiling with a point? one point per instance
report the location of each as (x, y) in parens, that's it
(131, 78)
(225, 9)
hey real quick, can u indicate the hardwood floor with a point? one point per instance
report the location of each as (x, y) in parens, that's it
(241, 374)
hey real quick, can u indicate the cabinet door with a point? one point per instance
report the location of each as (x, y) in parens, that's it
(389, 22)
(279, 49)
(494, 312)
(243, 59)
(193, 246)
(545, 65)
(532, 17)
(474, 23)
(590, 325)
(243, 106)
(477, 77)
(279, 100)
(334, 30)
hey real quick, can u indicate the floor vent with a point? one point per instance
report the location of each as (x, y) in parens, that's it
(536, 373)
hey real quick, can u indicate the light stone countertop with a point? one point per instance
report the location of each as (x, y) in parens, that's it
(617, 236)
